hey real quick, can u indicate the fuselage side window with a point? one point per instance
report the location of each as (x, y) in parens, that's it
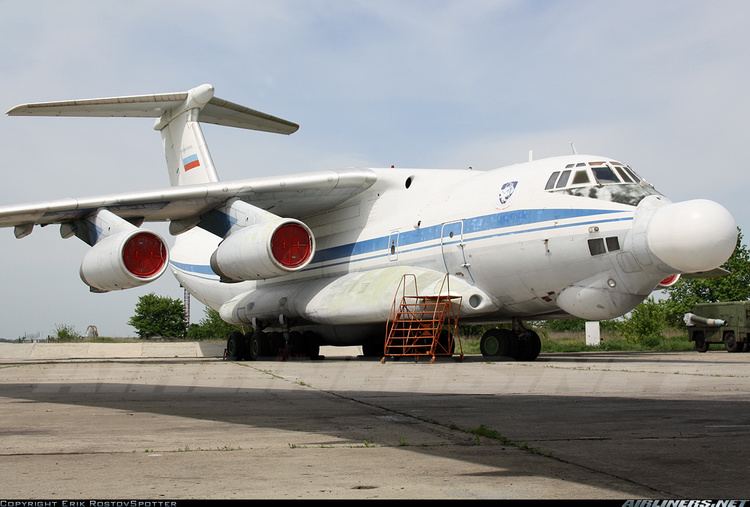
(613, 243)
(551, 181)
(563, 179)
(596, 246)
(604, 175)
(581, 177)
(624, 175)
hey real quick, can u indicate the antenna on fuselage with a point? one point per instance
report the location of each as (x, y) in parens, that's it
(573, 147)
(531, 155)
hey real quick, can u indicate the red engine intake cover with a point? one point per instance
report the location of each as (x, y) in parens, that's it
(291, 245)
(144, 254)
(670, 280)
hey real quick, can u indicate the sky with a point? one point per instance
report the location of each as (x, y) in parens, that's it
(662, 86)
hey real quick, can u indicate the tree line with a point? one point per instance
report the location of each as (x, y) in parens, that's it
(163, 316)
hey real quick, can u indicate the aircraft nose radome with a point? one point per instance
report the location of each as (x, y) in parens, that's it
(690, 236)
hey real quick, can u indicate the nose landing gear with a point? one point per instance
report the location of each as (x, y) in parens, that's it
(521, 344)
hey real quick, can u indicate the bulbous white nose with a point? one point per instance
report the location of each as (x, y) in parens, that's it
(690, 236)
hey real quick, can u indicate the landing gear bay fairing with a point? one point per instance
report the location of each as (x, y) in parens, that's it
(314, 258)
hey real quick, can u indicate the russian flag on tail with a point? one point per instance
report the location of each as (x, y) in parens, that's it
(190, 162)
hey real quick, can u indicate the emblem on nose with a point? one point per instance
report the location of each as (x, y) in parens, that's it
(506, 192)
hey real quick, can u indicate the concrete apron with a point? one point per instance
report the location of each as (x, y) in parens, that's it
(10, 352)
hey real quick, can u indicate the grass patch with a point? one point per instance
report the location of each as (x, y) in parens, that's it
(484, 431)
(665, 344)
(576, 342)
(470, 345)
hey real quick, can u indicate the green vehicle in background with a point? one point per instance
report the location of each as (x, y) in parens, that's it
(727, 323)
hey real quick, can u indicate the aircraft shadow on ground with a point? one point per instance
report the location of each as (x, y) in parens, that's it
(693, 448)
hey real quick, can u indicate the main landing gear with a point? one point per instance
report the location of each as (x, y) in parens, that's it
(519, 343)
(251, 346)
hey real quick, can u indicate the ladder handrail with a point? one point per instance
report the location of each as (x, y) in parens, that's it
(415, 324)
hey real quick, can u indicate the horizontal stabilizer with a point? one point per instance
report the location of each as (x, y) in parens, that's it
(229, 114)
(140, 106)
(216, 110)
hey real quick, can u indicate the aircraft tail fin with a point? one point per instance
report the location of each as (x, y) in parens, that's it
(179, 116)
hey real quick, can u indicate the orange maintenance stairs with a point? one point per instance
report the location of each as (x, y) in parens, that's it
(422, 326)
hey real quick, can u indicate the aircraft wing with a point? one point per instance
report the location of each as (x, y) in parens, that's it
(292, 196)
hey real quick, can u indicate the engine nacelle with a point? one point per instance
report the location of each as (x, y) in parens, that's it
(670, 280)
(264, 250)
(124, 260)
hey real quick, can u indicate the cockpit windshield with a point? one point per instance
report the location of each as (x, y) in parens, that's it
(606, 180)
(604, 175)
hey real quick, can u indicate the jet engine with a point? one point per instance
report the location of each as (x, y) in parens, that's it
(264, 250)
(670, 280)
(124, 260)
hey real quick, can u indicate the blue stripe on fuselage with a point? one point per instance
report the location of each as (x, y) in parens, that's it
(471, 225)
(485, 223)
(201, 269)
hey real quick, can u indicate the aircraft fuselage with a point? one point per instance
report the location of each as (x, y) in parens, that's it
(513, 247)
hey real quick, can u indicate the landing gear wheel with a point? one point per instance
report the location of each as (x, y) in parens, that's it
(489, 344)
(296, 344)
(529, 346)
(275, 343)
(730, 342)
(266, 345)
(252, 346)
(312, 344)
(700, 341)
(747, 346)
(497, 343)
(235, 346)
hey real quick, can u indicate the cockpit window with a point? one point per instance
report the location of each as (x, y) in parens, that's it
(551, 181)
(624, 175)
(604, 175)
(608, 181)
(563, 179)
(632, 173)
(581, 177)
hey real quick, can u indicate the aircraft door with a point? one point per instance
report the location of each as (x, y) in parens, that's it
(454, 249)
(393, 246)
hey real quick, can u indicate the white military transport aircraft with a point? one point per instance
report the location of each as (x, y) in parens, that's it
(322, 253)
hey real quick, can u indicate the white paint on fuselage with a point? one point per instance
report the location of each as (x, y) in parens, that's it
(520, 266)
